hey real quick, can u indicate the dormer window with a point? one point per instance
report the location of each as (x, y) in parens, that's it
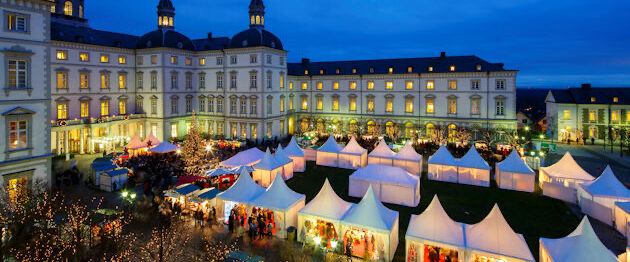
(371, 69)
(452, 68)
(615, 99)
(305, 72)
(391, 70)
(430, 69)
(478, 67)
(409, 69)
(338, 71)
(592, 99)
(354, 70)
(321, 71)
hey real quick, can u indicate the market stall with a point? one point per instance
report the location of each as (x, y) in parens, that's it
(204, 199)
(247, 157)
(282, 204)
(114, 180)
(408, 159)
(99, 169)
(286, 162)
(103, 224)
(513, 174)
(266, 169)
(597, 198)
(434, 237)
(622, 217)
(381, 155)
(370, 230)
(135, 146)
(581, 245)
(443, 166)
(565, 172)
(328, 153)
(151, 141)
(164, 148)
(493, 239)
(180, 194)
(296, 153)
(391, 184)
(319, 222)
(235, 199)
(353, 156)
(473, 170)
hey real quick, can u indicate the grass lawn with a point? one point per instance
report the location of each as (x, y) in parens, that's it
(532, 215)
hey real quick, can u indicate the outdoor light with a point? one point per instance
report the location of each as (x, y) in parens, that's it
(516, 137)
(526, 128)
(523, 138)
(318, 240)
(542, 136)
(125, 194)
(133, 196)
(542, 153)
(333, 244)
(208, 148)
(179, 151)
(532, 153)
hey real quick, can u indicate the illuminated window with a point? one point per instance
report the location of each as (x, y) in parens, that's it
(62, 110)
(304, 85)
(305, 72)
(452, 68)
(281, 80)
(290, 85)
(335, 103)
(153, 59)
(335, 85)
(592, 115)
(67, 8)
(85, 109)
(81, 11)
(409, 69)
(84, 57)
(122, 81)
(478, 67)
(430, 85)
(202, 61)
(338, 71)
(628, 116)
(304, 103)
(17, 73)
(173, 130)
(354, 70)
(320, 103)
(389, 85)
(104, 58)
(353, 104)
(370, 104)
(62, 55)
(104, 108)
(53, 9)
(188, 61)
(104, 81)
(391, 70)
(430, 69)
(62, 80)
(321, 71)
(615, 115)
(173, 60)
(430, 106)
(290, 103)
(567, 114)
(281, 104)
(615, 99)
(320, 85)
(475, 106)
(409, 85)
(85, 81)
(409, 105)
(389, 104)
(18, 134)
(452, 106)
(370, 85)
(122, 59)
(353, 85)
(430, 130)
(17, 23)
(122, 107)
(452, 84)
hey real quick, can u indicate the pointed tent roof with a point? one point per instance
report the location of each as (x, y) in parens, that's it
(330, 146)
(408, 153)
(135, 143)
(382, 150)
(268, 162)
(435, 225)
(327, 204)
(278, 196)
(494, 235)
(281, 157)
(353, 147)
(581, 245)
(163, 148)
(153, 139)
(243, 190)
(370, 212)
(567, 168)
(389, 174)
(515, 164)
(607, 185)
(293, 149)
(472, 159)
(244, 158)
(442, 157)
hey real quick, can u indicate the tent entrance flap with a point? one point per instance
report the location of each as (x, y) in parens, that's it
(431, 253)
(364, 243)
(324, 232)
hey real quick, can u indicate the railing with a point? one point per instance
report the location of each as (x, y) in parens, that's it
(87, 121)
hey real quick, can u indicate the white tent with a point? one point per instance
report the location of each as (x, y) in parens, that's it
(284, 202)
(565, 172)
(622, 217)
(381, 155)
(325, 209)
(494, 238)
(265, 170)
(248, 157)
(285, 161)
(513, 174)
(135, 144)
(408, 159)
(328, 153)
(605, 191)
(443, 166)
(581, 245)
(151, 140)
(473, 170)
(163, 148)
(353, 156)
(435, 229)
(372, 220)
(391, 184)
(242, 192)
(296, 153)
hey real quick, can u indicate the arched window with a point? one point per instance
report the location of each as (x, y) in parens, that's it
(257, 19)
(371, 127)
(304, 125)
(452, 133)
(389, 129)
(430, 130)
(320, 125)
(67, 9)
(409, 130)
(353, 126)
(170, 21)
(81, 11)
(253, 20)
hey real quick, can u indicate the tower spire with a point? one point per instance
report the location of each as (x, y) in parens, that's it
(166, 14)
(257, 14)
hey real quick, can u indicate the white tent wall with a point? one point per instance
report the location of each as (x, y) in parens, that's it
(473, 176)
(566, 182)
(287, 170)
(390, 239)
(608, 202)
(310, 154)
(301, 230)
(596, 210)
(413, 167)
(385, 192)
(621, 220)
(515, 181)
(559, 191)
(376, 160)
(443, 173)
(419, 243)
(470, 256)
(299, 163)
(265, 177)
(352, 161)
(393, 240)
(327, 159)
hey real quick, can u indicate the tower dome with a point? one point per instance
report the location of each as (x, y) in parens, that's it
(165, 35)
(256, 35)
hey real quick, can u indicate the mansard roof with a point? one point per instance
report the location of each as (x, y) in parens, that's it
(583, 95)
(86, 35)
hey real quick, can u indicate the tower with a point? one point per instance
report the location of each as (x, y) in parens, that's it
(68, 8)
(166, 14)
(257, 14)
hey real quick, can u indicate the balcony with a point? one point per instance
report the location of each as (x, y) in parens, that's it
(100, 120)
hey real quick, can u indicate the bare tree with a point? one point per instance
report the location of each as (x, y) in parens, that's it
(463, 135)
(165, 244)
(439, 135)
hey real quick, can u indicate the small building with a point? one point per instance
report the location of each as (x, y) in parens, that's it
(266, 169)
(513, 174)
(562, 179)
(114, 180)
(381, 155)
(408, 159)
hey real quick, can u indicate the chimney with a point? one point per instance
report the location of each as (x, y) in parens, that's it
(210, 35)
(586, 86)
(306, 61)
(443, 55)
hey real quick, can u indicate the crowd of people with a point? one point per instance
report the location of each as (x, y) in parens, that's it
(201, 216)
(258, 224)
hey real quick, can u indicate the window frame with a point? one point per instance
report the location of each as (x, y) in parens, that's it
(28, 118)
(27, 22)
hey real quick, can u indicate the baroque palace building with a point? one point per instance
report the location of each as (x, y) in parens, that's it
(107, 86)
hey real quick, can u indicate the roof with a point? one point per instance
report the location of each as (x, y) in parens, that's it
(567, 168)
(353, 147)
(186, 189)
(625, 206)
(472, 159)
(281, 157)
(388, 174)
(207, 193)
(244, 158)
(217, 43)
(86, 35)
(268, 162)
(371, 213)
(330, 146)
(408, 153)
(494, 235)
(608, 185)
(515, 164)
(442, 157)
(153, 139)
(243, 190)
(278, 196)
(399, 66)
(435, 225)
(581, 245)
(164, 147)
(382, 150)
(582, 95)
(293, 149)
(326, 204)
(135, 143)
(255, 37)
(164, 37)
(117, 172)
(99, 167)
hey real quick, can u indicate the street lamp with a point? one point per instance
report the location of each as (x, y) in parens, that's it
(125, 194)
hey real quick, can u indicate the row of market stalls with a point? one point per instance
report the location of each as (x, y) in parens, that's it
(108, 176)
(137, 146)
(191, 198)
(352, 156)
(407, 159)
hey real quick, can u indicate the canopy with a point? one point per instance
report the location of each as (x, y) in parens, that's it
(515, 164)
(371, 213)
(353, 147)
(494, 235)
(278, 196)
(245, 158)
(442, 157)
(151, 140)
(409, 153)
(330, 146)
(186, 189)
(268, 162)
(607, 184)
(567, 168)
(581, 245)
(472, 159)
(98, 167)
(243, 190)
(435, 225)
(117, 172)
(281, 157)
(382, 150)
(327, 204)
(293, 149)
(205, 194)
(135, 143)
(390, 174)
(163, 148)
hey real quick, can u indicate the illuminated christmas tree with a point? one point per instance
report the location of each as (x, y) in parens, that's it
(193, 150)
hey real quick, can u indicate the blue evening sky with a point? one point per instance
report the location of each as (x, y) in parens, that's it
(554, 43)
